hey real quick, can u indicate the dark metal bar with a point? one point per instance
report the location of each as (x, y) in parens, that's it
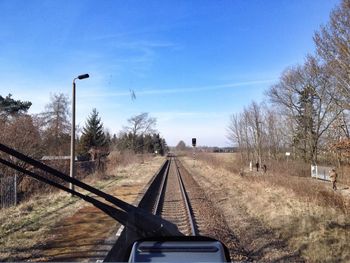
(117, 214)
(146, 223)
(123, 205)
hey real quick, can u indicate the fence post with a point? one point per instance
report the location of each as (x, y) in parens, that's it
(1, 191)
(15, 188)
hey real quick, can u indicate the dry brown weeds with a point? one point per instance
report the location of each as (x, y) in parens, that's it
(273, 208)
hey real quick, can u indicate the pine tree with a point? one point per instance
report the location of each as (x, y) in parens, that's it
(159, 144)
(305, 130)
(9, 106)
(93, 135)
(181, 146)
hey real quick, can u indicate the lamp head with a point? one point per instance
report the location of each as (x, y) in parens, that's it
(84, 76)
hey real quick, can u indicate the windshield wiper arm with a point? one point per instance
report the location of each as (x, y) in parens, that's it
(137, 219)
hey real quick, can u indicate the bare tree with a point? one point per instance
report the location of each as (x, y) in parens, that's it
(22, 134)
(249, 130)
(308, 96)
(255, 119)
(56, 125)
(312, 99)
(274, 139)
(247, 139)
(333, 45)
(140, 125)
(234, 133)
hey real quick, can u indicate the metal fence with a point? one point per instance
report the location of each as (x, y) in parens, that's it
(8, 191)
(320, 172)
(8, 183)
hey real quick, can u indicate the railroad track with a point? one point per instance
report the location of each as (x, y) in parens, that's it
(174, 204)
(174, 195)
(167, 197)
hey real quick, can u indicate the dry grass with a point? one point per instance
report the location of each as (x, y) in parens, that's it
(344, 174)
(126, 158)
(227, 161)
(24, 228)
(84, 170)
(283, 174)
(312, 219)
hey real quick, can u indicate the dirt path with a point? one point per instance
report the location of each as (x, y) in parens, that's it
(81, 232)
(82, 236)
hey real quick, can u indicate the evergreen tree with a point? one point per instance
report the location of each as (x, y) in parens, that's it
(146, 143)
(305, 130)
(181, 146)
(159, 144)
(9, 106)
(93, 135)
(156, 143)
(108, 137)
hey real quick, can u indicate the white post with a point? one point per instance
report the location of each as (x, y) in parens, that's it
(194, 155)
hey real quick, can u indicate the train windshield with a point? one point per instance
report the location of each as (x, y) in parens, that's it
(163, 131)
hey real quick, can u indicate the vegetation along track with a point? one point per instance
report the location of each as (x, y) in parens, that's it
(174, 195)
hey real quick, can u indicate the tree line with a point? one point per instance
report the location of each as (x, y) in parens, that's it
(307, 110)
(48, 133)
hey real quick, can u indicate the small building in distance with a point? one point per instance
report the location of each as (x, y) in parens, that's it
(225, 149)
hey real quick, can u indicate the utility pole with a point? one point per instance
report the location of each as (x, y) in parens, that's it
(72, 138)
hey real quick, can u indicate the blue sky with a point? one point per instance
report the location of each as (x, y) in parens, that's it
(191, 63)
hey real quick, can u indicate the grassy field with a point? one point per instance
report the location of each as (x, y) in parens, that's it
(27, 229)
(273, 213)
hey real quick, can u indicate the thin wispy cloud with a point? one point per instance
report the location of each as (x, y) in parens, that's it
(168, 116)
(161, 51)
(181, 90)
(141, 44)
(138, 56)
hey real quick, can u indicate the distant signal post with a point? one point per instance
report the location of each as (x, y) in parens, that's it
(194, 142)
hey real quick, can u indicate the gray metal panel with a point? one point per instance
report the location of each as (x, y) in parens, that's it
(177, 251)
(320, 172)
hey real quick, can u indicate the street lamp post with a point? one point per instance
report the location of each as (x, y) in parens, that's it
(72, 139)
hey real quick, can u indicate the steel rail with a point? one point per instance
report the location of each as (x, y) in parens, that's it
(187, 206)
(152, 196)
(152, 201)
(186, 201)
(161, 191)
